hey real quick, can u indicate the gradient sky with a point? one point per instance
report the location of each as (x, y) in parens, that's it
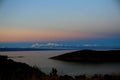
(54, 20)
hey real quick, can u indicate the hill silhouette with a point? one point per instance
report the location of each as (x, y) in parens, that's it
(90, 56)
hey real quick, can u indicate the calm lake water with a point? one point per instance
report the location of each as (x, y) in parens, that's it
(41, 60)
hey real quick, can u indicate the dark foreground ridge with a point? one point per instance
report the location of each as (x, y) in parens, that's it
(11, 70)
(90, 56)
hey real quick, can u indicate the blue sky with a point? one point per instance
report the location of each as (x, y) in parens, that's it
(60, 20)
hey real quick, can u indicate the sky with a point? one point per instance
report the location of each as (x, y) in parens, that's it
(60, 20)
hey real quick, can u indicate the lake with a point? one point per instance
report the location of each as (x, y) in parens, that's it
(42, 61)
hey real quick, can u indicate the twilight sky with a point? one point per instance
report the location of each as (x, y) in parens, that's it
(54, 20)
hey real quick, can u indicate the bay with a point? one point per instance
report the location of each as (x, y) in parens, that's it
(42, 61)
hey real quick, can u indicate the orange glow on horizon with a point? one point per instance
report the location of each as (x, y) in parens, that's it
(23, 35)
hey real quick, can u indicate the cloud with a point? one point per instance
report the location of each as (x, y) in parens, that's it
(90, 45)
(53, 44)
(37, 45)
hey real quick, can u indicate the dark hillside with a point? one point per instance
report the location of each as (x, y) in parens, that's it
(90, 56)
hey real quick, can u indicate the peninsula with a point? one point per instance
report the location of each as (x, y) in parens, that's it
(90, 56)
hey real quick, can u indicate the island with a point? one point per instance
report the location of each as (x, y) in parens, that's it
(90, 56)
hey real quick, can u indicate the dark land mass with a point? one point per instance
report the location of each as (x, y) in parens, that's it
(90, 56)
(11, 70)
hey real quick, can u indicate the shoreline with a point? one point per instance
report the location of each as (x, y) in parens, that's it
(52, 49)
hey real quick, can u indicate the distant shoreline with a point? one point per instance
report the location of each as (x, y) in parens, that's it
(26, 49)
(44, 49)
